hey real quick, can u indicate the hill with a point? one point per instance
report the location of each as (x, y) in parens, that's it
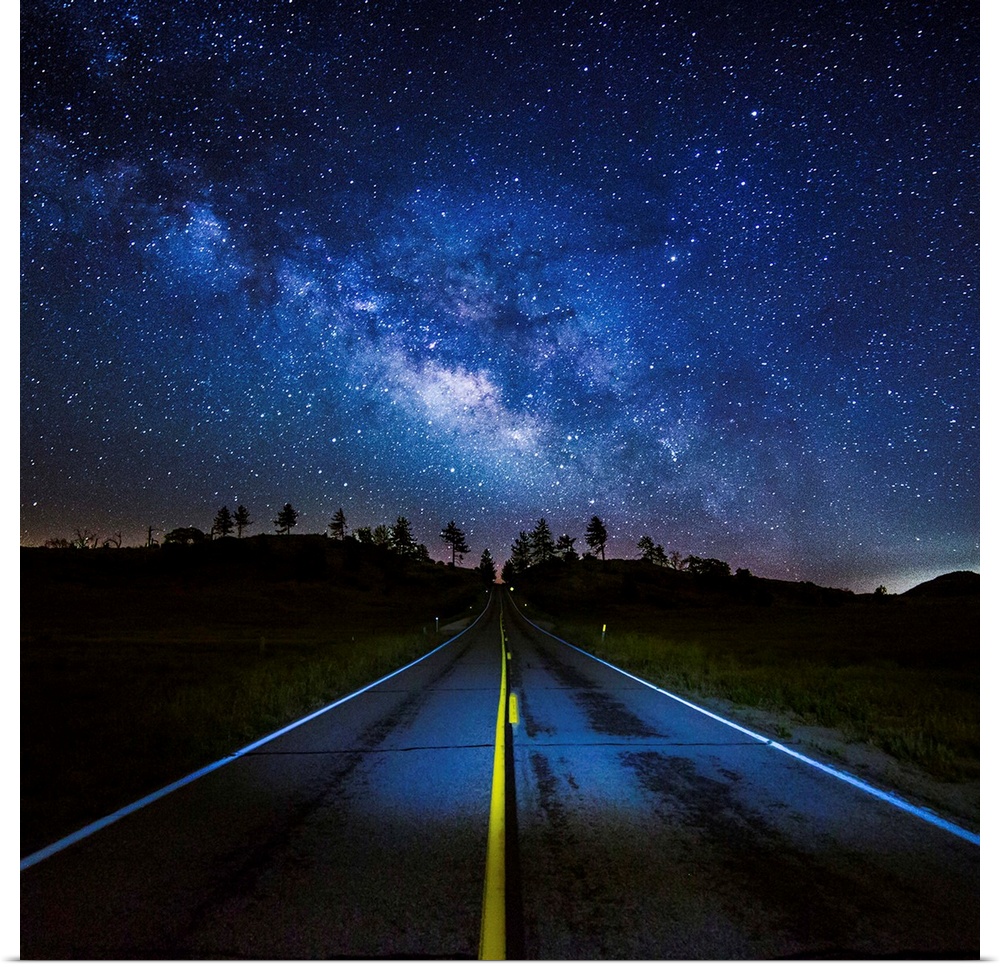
(952, 585)
(589, 586)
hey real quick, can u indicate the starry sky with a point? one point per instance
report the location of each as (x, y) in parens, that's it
(708, 270)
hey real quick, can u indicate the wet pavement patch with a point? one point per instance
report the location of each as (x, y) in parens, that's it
(610, 717)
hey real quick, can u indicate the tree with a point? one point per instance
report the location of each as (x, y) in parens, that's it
(520, 556)
(596, 536)
(338, 526)
(286, 519)
(454, 537)
(675, 561)
(401, 539)
(565, 549)
(708, 567)
(487, 568)
(381, 535)
(223, 524)
(543, 547)
(363, 535)
(242, 520)
(507, 572)
(651, 552)
(185, 535)
(85, 538)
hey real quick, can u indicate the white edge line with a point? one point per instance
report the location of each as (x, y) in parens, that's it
(889, 797)
(98, 824)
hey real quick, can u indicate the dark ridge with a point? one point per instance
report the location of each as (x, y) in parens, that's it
(956, 584)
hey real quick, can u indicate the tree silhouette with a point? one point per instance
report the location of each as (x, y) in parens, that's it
(286, 519)
(708, 567)
(508, 574)
(565, 549)
(543, 547)
(185, 535)
(382, 536)
(520, 556)
(242, 520)
(85, 538)
(338, 526)
(487, 568)
(651, 552)
(223, 523)
(454, 537)
(597, 535)
(401, 540)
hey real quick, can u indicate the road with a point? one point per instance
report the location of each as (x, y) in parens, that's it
(638, 828)
(648, 830)
(361, 833)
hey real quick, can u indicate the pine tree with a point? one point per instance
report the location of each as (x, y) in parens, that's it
(401, 540)
(223, 524)
(597, 535)
(651, 552)
(487, 568)
(338, 526)
(286, 519)
(454, 537)
(565, 549)
(520, 555)
(543, 547)
(242, 520)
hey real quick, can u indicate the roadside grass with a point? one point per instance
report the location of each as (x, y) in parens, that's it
(902, 675)
(127, 688)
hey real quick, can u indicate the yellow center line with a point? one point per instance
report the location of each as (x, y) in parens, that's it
(493, 933)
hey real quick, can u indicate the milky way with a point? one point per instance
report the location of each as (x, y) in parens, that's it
(706, 270)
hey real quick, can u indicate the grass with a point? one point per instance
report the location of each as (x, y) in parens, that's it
(130, 680)
(138, 667)
(900, 673)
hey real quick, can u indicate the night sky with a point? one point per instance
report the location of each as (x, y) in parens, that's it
(707, 270)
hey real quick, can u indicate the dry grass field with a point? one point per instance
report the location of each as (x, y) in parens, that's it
(138, 666)
(898, 672)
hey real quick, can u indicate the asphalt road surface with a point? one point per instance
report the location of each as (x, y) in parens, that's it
(361, 833)
(648, 830)
(637, 829)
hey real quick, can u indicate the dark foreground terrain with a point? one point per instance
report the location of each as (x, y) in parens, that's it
(139, 665)
(638, 827)
(888, 683)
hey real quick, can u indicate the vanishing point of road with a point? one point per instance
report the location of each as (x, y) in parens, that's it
(620, 823)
